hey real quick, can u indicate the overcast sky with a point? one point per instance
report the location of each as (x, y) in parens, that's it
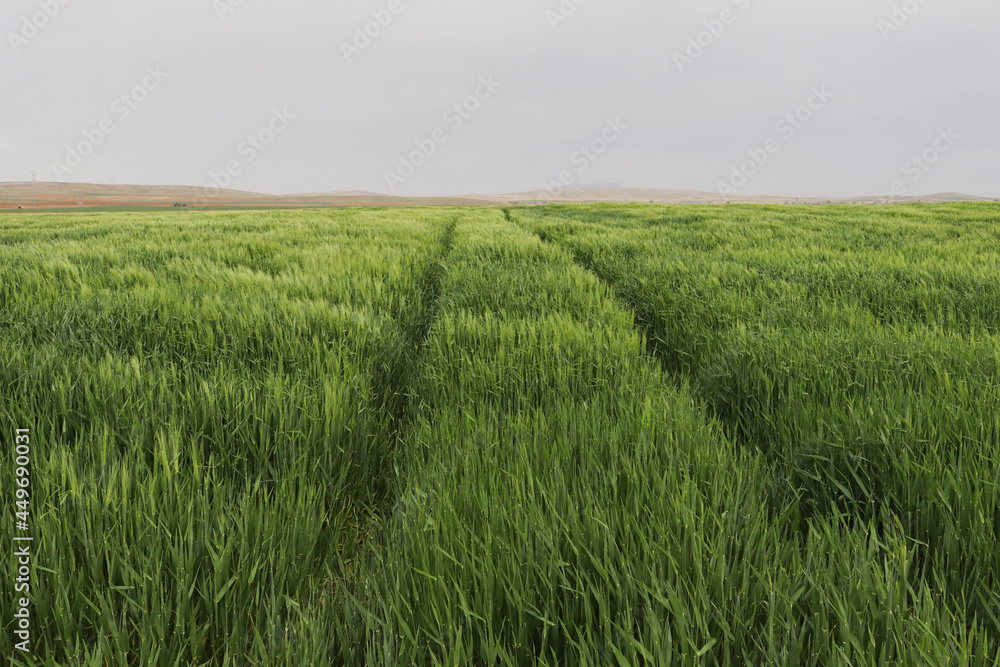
(666, 94)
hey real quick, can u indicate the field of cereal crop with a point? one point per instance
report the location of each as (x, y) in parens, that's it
(569, 434)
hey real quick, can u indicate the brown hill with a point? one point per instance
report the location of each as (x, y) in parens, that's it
(87, 195)
(36, 195)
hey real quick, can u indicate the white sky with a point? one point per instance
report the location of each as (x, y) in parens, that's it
(228, 71)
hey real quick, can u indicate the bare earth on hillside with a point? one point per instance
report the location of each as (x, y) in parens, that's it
(32, 195)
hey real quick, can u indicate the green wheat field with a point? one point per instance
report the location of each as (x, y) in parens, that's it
(557, 435)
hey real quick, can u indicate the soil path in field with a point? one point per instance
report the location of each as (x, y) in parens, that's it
(396, 372)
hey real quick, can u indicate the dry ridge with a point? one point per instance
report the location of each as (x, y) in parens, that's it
(37, 195)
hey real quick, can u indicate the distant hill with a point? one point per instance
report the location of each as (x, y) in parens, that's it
(45, 190)
(31, 194)
(949, 196)
(45, 195)
(668, 196)
(336, 193)
(656, 195)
